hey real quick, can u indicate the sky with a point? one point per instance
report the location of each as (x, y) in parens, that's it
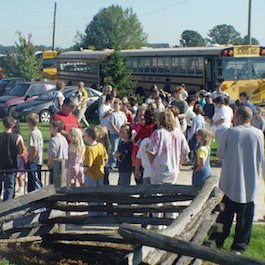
(162, 20)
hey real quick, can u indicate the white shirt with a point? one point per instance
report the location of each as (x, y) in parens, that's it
(190, 115)
(166, 147)
(241, 151)
(217, 95)
(141, 154)
(103, 109)
(222, 113)
(58, 94)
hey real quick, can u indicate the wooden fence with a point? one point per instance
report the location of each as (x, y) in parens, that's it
(117, 220)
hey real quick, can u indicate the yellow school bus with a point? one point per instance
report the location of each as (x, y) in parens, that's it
(49, 69)
(238, 68)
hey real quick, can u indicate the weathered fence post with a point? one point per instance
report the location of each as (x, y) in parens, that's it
(59, 180)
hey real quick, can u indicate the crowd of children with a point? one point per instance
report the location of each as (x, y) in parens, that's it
(148, 141)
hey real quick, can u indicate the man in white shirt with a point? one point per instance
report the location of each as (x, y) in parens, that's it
(241, 151)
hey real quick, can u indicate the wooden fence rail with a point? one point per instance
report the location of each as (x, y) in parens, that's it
(94, 219)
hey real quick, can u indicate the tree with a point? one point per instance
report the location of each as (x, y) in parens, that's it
(23, 63)
(113, 27)
(158, 45)
(191, 38)
(117, 74)
(244, 41)
(224, 34)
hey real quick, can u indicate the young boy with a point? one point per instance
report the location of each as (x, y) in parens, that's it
(10, 147)
(95, 159)
(58, 145)
(124, 156)
(35, 153)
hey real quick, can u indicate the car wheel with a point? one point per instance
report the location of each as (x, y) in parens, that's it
(11, 110)
(45, 116)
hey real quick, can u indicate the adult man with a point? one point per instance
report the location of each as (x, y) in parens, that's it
(241, 151)
(10, 148)
(83, 104)
(182, 105)
(244, 101)
(219, 92)
(66, 115)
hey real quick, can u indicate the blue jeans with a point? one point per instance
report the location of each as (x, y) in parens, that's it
(9, 180)
(91, 182)
(34, 177)
(115, 140)
(124, 178)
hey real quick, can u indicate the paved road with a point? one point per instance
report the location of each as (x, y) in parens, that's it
(185, 178)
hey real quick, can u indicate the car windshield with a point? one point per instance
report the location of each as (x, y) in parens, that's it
(49, 63)
(47, 96)
(3, 84)
(19, 90)
(243, 68)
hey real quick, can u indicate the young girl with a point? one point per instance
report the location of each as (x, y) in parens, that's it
(202, 167)
(21, 160)
(76, 153)
(103, 138)
(123, 156)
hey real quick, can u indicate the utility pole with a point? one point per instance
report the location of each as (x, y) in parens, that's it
(54, 22)
(249, 22)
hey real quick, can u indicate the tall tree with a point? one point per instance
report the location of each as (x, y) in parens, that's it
(112, 27)
(191, 38)
(117, 74)
(23, 63)
(244, 41)
(223, 34)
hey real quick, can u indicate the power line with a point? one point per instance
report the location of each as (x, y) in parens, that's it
(165, 8)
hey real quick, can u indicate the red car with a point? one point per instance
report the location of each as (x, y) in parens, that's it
(27, 91)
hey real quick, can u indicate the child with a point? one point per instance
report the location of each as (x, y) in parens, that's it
(202, 167)
(35, 153)
(116, 120)
(58, 146)
(95, 159)
(22, 159)
(126, 110)
(159, 105)
(76, 152)
(198, 122)
(124, 156)
(103, 137)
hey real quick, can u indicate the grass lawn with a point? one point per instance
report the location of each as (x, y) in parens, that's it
(44, 128)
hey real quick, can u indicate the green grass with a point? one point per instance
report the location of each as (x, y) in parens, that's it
(44, 128)
(257, 243)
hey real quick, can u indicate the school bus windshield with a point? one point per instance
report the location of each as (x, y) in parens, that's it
(243, 68)
(49, 63)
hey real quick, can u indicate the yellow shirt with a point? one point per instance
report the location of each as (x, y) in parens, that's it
(95, 158)
(84, 97)
(202, 152)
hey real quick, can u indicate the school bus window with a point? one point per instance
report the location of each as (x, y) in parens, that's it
(167, 68)
(219, 68)
(153, 65)
(147, 65)
(199, 66)
(182, 65)
(191, 66)
(160, 65)
(135, 65)
(257, 68)
(235, 69)
(140, 66)
(175, 65)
